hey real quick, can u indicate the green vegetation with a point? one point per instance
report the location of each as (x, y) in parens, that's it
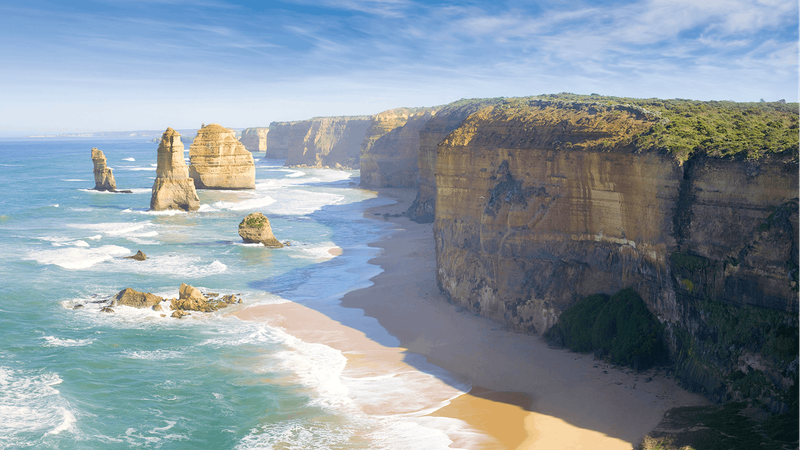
(723, 428)
(252, 220)
(716, 128)
(575, 324)
(620, 328)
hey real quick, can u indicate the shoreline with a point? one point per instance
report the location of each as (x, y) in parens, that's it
(523, 393)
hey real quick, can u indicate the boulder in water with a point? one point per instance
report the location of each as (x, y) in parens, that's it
(255, 228)
(136, 299)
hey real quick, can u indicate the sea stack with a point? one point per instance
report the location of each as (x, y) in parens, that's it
(173, 189)
(220, 161)
(103, 176)
(255, 229)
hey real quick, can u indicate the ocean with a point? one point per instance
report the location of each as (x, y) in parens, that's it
(85, 379)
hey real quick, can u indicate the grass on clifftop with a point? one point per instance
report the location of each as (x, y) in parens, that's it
(716, 128)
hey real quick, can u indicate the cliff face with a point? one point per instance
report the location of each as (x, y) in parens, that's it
(173, 189)
(391, 160)
(103, 175)
(220, 161)
(383, 124)
(440, 125)
(319, 142)
(255, 139)
(539, 205)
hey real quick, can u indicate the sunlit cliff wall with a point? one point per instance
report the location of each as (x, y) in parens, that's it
(539, 204)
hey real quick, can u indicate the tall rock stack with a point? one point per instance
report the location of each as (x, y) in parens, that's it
(220, 161)
(173, 189)
(103, 176)
(255, 139)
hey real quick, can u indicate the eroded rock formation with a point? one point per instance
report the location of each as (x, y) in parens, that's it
(255, 229)
(103, 175)
(255, 139)
(220, 161)
(191, 299)
(136, 299)
(540, 204)
(173, 189)
(139, 256)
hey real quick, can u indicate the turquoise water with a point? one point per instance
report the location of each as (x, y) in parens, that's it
(83, 379)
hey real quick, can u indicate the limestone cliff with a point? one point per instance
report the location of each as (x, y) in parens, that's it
(390, 160)
(382, 124)
(541, 203)
(319, 142)
(446, 120)
(103, 175)
(220, 161)
(255, 139)
(173, 189)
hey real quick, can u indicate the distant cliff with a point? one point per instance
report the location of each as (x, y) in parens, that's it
(255, 139)
(319, 142)
(390, 153)
(540, 202)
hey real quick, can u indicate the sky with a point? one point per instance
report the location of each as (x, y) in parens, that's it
(113, 65)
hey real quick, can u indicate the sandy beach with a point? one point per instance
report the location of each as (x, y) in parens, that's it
(523, 394)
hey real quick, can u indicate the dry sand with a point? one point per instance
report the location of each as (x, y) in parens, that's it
(524, 394)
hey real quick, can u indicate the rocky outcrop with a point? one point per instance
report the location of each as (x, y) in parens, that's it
(255, 229)
(445, 121)
(391, 160)
(103, 175)
(191, 299)
(255, 139)
(139, 256)
(319, 142)
(173, 189)
(220, 161)
(136, 299)
(542, 203)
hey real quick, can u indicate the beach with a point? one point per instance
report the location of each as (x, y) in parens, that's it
(523, 393)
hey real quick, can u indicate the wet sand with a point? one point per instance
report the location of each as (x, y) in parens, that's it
(524, 394)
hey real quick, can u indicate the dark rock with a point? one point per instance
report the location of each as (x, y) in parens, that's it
(136, 299)
(139, 256)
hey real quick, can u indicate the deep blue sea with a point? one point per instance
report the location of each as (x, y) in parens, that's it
(84, 379)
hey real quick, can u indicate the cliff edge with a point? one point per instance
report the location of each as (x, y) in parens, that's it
(541, 202)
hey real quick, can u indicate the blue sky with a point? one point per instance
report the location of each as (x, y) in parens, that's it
(127, 65)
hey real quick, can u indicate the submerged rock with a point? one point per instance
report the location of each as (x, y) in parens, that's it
(173, 189)
(220, 161)
(255, 228)
(139, 256)
(103, 175)
(179, 313)
(136, 299)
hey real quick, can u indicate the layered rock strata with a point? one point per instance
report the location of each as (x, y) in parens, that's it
(103, 175)
(173, 189)
(391, 159)
(319, 142)
(220, 161)
(540, 204)
(440, 125)
(255, 229)
(255, 139)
